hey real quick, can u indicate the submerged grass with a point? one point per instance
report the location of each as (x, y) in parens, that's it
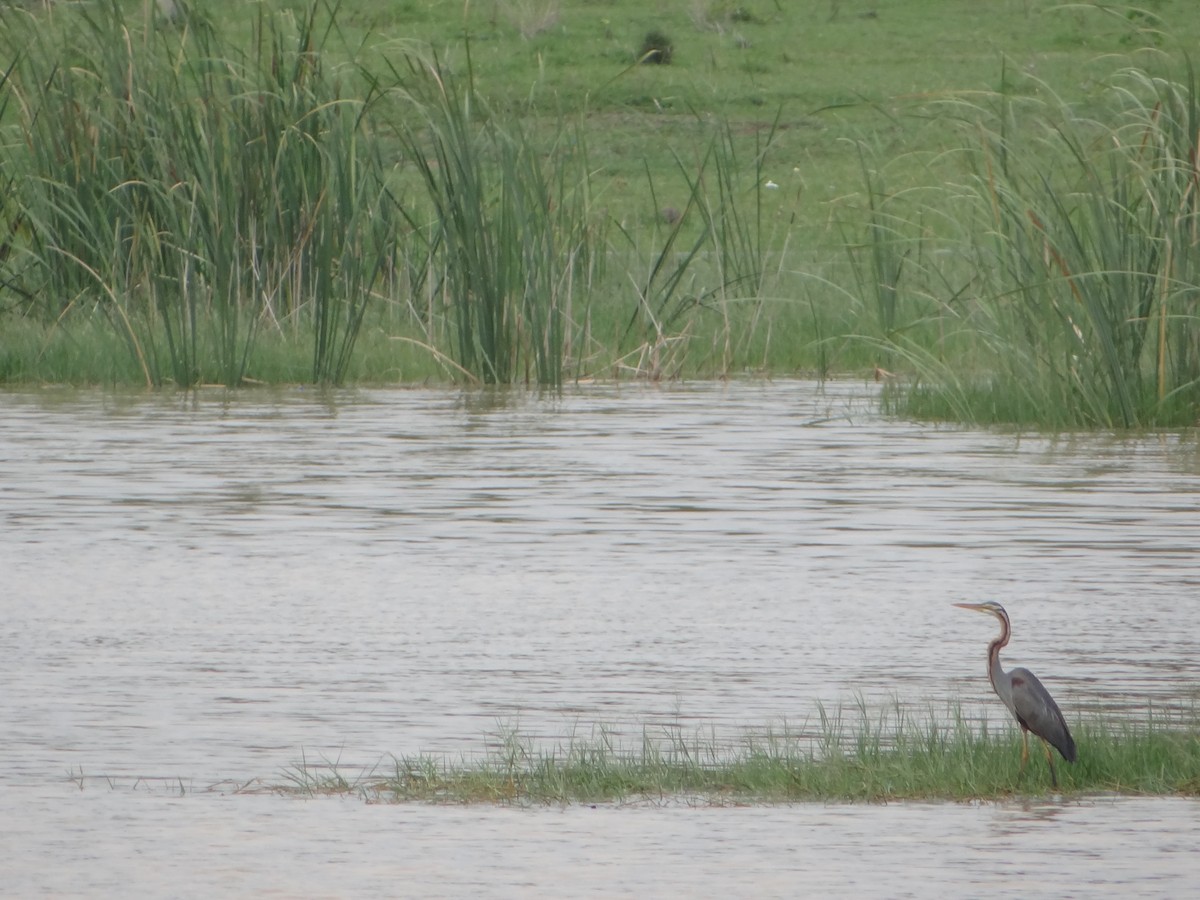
(875, 759)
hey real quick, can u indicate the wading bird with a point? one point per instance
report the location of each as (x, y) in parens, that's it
(1025, 697)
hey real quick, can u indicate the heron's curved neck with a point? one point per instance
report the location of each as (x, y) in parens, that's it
(995, 671)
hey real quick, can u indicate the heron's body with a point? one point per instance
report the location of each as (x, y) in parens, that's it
(1026, 698)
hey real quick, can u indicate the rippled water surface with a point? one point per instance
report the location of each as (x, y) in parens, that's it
(206, 588)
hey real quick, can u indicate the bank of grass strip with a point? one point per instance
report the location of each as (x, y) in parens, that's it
(870, 761)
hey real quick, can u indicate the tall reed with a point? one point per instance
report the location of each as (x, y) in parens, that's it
(512, 234)
(1082, 237)
(712, 261)
(192, 192)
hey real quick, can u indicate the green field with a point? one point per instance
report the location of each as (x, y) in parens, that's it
(994, 210)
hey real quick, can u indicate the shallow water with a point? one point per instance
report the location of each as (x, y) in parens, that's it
(128, 844)
(207, 588)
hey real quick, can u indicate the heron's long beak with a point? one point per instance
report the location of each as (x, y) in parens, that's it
(978, 607)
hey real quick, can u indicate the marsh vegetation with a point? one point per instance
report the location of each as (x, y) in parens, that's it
(860, 756)
(330, 192)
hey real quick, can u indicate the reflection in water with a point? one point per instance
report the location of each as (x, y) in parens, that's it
(205, 586)
(1020, 814)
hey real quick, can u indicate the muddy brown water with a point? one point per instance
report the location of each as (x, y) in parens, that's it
(203, 590)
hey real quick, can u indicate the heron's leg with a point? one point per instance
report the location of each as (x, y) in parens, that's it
(1024, 748)
(1050, 760)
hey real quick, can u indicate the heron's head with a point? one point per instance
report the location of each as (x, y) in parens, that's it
(991, 607)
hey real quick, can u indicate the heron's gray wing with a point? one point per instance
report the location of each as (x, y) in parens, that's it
(1037, 711)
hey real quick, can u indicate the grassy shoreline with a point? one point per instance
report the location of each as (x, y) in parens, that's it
(867, 762)
(332, 193)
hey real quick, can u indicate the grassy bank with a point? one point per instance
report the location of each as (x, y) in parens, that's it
(998, 209)
(870, 760)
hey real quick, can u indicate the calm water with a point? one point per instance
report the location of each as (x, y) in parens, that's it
(203, 589)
